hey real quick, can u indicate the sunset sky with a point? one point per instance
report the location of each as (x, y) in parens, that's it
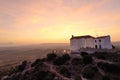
(54, 21)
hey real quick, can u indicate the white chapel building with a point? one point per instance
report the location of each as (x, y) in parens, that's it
(89, 42)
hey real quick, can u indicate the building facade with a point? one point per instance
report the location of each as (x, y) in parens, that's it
(87, 42)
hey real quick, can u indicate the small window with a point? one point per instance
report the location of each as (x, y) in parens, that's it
(99, 40)
(95, 40)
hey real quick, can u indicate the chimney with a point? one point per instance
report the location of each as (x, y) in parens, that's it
(72, 36)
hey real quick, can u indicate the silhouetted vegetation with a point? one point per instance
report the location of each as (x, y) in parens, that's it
(66, 57)
(111, 68)
(38, 75)
(76, 61)
(101, 55)
(37, 62)
(83, 54)
(64, 71)
(21, 67)
(43, 75)
(113, 47)
(62, 59)
(78, 78)
(51, 56)
(89, 72)
(106, 78)
(87, 59)
(2, 73)
(69, 67)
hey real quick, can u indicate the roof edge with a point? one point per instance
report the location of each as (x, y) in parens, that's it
(87, 36)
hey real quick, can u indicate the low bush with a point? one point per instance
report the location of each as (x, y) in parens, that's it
(16, 69)
(76, 61)
(106, 78)
(62, 59)
(89, 72)
(111, 68)
(65, 72)
(78, 78)
(38, 75)
(51, 56)
(87, 59)
(66, 57)
(21, 67)
(38, 62)
(101, 55)
(42, 75)
(83, 54)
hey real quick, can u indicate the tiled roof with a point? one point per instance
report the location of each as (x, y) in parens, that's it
(78, 37)
(103, 36)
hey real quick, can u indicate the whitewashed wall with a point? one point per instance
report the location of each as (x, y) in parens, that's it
(106, 44)
(89, 43)
(76, 44)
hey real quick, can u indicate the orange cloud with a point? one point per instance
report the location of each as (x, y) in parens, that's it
(56, 20)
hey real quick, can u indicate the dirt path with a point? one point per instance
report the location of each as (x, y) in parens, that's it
(28, 67)
(82, 71)
(55, 72)
(96, 60)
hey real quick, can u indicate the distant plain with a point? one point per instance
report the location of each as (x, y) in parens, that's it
(10, 56)
(16, 54)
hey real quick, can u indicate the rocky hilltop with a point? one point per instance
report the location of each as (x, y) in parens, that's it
(83, 66)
